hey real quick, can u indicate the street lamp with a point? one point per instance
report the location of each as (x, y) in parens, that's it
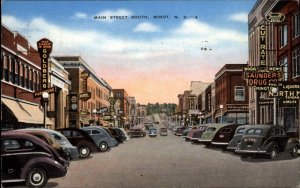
(190, 120)
(200, 118)
(274, 91)
(94, 115)
(45, 96)
(115, 121)
(221, 107)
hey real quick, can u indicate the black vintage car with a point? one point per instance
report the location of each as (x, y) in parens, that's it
(267, 140)
(82, 140)
(136, 132)
(237, 137)
(26, 158)
(224, 135)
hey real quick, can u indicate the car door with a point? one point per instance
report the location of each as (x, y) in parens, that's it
(14, 155)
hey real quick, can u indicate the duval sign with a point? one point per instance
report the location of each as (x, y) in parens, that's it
(275, 17)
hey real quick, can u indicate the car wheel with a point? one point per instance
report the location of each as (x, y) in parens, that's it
(36, 177)
(294, 151)
(274, 153)
(103, 146)
(84, 151)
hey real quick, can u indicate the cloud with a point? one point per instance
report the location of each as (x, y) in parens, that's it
(146, 27)
(239, 17)
(109, 13)
(162, 60)
(80, 15)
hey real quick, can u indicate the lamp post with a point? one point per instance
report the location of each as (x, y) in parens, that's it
(115, 121)
(200, 118)
(45, 96)
(190, 119)
(94, 115)
(274, 91)
(221, 107)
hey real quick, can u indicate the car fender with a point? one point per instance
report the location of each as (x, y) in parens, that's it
(290, 143)
(43, 162)
(268, 146)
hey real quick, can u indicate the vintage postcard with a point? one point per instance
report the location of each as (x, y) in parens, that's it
(150, 93)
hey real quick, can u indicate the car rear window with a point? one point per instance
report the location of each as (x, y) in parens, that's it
(255, 131)
(211, 129)
(241, 130)
(163, 129)
(226, 130)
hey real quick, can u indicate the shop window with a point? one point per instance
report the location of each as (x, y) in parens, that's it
(284, 64)
(11, 71)
(5, 67)
(283, 35)
(296, 62)
(239, 93)
(296, 25)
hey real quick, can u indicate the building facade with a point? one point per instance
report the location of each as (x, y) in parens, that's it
(276, 104)
(231, 95)
(21, 78)
(88, 94)
(121, 109)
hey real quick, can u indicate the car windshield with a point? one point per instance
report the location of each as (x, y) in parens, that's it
(60, 138)
(226, 130)
(255, 131)
(202, 127)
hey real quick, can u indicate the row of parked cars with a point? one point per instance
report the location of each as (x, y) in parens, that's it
(245, 140)
(34, 155)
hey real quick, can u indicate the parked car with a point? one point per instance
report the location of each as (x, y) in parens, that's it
(152, 132)
(163, 131)
(267, 140)
(237, 137)
(27, 158)
(82, 140)
(196, 135)
(116, 134)
(72, 151)
(48, 139)
(101, 137)
(187, 130)
(179, 131)
(124, 133)
(121, 134)
(207, 136)
(224, 135)
(136, 132)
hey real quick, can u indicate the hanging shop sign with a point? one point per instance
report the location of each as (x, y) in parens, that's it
(262, 45)
(85, 95)
(262, 77)
(73, 102)
(275, 17)
(208, 102)
(288, 94)
(111, 104)
(44, 48)
(85, 112)
(40, 93)
(102, 110)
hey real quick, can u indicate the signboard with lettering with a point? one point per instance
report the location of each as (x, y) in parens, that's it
(73, 102)
(102, 110)
(44, 48)
(263, 77)
(40, 93)
(84, 112)
(288, 94)
(111, 104)
(275, 17)
(262, 45)
(85, 96)
(84, 75)
(237, 107)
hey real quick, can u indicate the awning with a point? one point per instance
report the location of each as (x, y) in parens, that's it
(26, 113)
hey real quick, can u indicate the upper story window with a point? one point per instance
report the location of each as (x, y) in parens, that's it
(11, 70)
(283, 35)
(284, 64)
(296, 25)
(5, 67)
(239, 93)
(296, 62)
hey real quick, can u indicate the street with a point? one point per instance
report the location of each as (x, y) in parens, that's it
(170, 161)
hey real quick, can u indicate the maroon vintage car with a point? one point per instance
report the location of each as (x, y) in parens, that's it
(179, 131)
(224, 135)
(26, 158)
(195, 135)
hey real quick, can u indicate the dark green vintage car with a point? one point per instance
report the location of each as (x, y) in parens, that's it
(267, 140)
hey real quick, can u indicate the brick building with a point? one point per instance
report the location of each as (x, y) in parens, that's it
(88, 93)
(20, 79)
(231, 95)
(122, 104)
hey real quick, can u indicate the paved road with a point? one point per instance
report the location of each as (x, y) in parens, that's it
(164, 162)
(171, 162)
